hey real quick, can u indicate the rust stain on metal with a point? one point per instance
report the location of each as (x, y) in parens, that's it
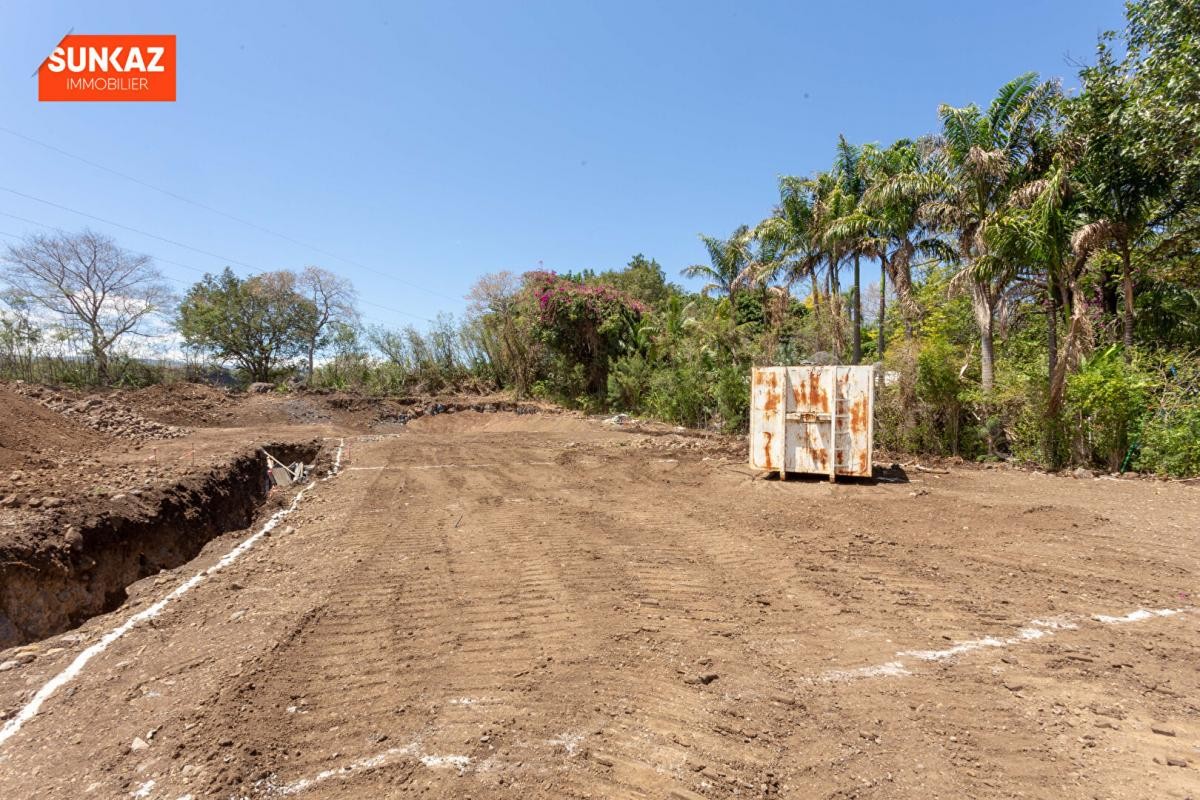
(772, 401)
(858, 415)
(800, 394)
(820, 456)
(816, 392)
(814, 440)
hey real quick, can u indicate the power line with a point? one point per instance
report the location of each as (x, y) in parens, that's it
(219, 212)
(197, 269)
(131, 229)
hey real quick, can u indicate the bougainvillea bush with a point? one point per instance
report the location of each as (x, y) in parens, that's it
(584, 327)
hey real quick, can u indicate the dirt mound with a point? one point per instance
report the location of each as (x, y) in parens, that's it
(101, 413)
(30, 433)
(80, 559)
(182, 404)
(453, 420)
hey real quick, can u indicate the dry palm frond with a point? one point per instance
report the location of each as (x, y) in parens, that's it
(1089, 238)
(993, 163)
(1079, 341)
(941, 213)
(1024, 196)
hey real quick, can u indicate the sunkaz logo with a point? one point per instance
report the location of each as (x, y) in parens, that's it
(102, 67)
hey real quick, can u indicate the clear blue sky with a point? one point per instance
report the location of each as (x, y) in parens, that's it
(434, 142)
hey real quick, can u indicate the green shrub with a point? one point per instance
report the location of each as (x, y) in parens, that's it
(1170, 435)
(1170, 442)
(1105, 401)
(629, 382)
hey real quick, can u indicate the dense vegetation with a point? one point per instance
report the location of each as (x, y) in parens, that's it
(1040, 279)
(1038, 298)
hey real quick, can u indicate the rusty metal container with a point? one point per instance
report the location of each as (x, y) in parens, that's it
(818, 419)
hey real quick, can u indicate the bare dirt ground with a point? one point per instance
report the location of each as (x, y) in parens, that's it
(541, 606)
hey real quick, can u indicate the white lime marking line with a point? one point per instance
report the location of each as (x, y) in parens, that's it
(31, 709)
(1037, 629)
(1139, 615)
(408, 751)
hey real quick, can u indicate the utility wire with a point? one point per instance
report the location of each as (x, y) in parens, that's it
(131, 229)
(219, 212)
(197, 269)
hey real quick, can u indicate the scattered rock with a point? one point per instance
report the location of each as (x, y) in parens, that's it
(702, 679)
(1083, 472)
(101, 413)
(1161, 730)
(73, 538)
(138, 744)
(1177, 762)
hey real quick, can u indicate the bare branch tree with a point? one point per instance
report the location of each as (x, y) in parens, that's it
(98, 289)
(334, 298)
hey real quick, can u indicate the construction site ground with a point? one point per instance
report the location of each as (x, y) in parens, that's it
(493, 604)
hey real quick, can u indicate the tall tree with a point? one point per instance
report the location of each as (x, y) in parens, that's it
(789, 242)
(984, 154)
(333, 298)
(91, 284)
(898, 186)
(731, 262)
(1161, 122)
(848, 168)
(1123, 182)
(258, 323)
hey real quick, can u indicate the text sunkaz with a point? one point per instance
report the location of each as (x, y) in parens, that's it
(105, 59)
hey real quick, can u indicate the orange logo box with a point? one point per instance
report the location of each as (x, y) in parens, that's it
(109, 67)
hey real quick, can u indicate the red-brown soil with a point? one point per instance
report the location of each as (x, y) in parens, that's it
(541, 606)
(31, 434)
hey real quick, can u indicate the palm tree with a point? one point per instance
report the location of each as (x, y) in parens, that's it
(789, 243)
(1040, 231)
(894, 200)
(848, 168)
(1121, 189)
(731, 263)
(983, 155)
(831, 203)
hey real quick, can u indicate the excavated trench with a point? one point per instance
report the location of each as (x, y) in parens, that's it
(54, 586)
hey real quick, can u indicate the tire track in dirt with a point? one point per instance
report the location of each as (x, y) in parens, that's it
(467, 623)
(506, 615)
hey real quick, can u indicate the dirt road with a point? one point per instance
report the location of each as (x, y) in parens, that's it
(500, 606)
